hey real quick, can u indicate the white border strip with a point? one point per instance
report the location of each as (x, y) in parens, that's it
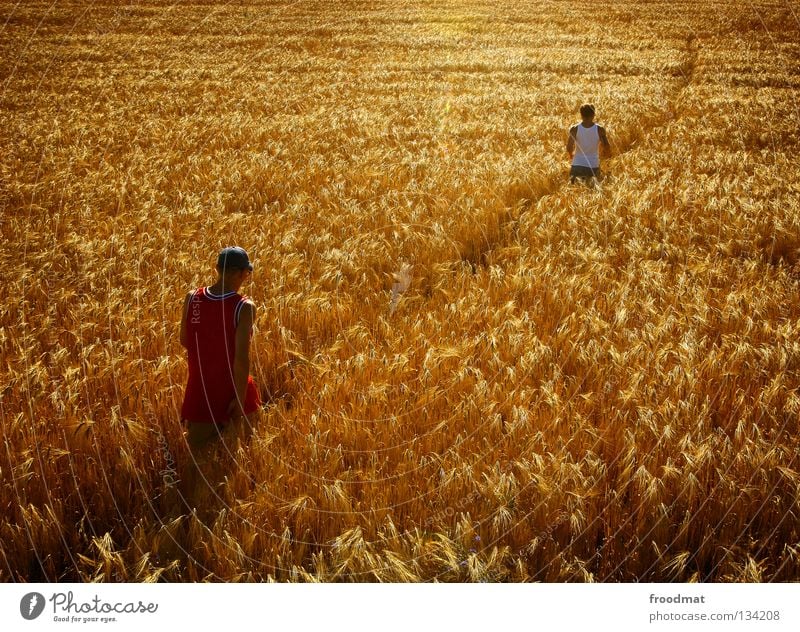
(423, 607)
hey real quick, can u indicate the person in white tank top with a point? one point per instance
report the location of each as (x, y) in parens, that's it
(584, 146)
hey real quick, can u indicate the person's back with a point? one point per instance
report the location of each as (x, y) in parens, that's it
(583, 146)
(587, 146)
(211, 345)
(216, 327)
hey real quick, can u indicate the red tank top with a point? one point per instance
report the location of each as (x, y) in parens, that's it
(211, 340)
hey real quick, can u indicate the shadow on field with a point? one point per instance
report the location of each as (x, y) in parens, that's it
(189, 508)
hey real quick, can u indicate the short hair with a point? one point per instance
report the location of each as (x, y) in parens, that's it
(587, 110)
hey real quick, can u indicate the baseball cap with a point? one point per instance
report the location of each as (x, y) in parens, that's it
(233, 257)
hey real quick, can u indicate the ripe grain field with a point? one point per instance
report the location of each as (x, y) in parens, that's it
(564, 384)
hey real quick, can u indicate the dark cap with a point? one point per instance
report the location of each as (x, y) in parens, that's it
(233, 257)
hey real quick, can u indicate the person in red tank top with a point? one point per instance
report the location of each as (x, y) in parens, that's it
(215, 329)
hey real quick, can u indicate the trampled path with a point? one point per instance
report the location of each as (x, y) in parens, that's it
(478, 252)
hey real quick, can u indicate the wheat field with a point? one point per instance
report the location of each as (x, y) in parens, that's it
(473, 371)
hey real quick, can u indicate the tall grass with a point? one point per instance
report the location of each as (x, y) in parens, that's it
(474, 371)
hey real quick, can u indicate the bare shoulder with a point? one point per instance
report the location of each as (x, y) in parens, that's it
(574, 129)
(186, 300)
(601, 130)
(248, 310)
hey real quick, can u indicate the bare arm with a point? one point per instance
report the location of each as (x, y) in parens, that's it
(605, 145)
(241, 359)
(571, 141)
(184, 316)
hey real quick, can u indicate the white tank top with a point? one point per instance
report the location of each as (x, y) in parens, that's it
(587, 144)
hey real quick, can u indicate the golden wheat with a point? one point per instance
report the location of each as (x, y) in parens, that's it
(474, 372)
